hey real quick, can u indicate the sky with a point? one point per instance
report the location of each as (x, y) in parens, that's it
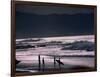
(46, 21)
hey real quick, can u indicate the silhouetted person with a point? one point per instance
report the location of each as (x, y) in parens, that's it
(60, 62)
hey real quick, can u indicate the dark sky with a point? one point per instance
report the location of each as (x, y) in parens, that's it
(45, 21)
